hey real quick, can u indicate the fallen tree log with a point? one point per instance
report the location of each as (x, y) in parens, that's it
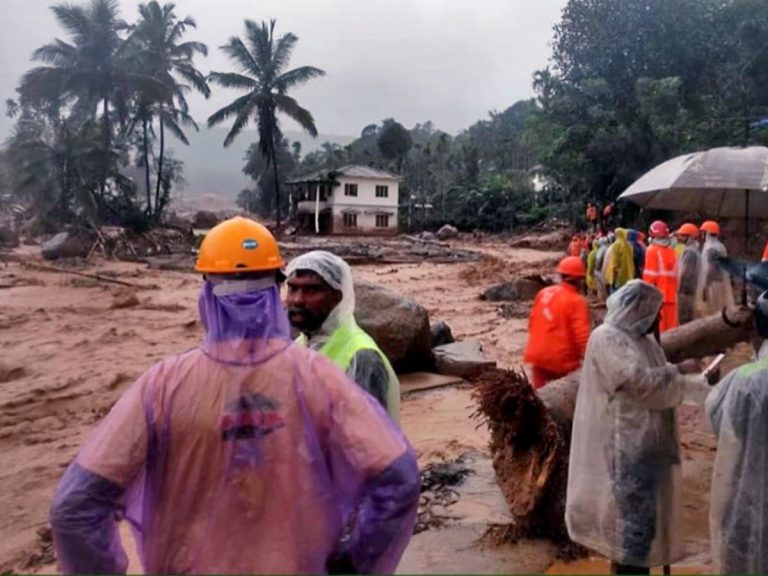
(531, 431)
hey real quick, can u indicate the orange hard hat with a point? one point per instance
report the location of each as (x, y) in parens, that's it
(238, 245)
(711, 226)
(688, 229)
(572, 266)
(659, 229)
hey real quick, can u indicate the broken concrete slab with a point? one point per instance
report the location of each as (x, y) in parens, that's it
(464, 359)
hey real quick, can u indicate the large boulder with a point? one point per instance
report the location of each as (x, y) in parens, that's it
(447, 232)
(398, 325)
(65, 245)
(519, 289)
(462, 359)
(205, 220)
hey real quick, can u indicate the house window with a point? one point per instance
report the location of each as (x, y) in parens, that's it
(350, 220)
(382, 191)
(382, 220)
(350, 189)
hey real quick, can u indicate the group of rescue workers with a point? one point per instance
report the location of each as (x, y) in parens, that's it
(258, 452)
(624, 484)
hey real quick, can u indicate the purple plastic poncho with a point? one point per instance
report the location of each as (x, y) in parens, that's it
(248, 454)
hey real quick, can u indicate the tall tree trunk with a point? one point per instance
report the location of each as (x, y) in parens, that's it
(107, 145)
(160, 162)
(145, 125)
(277, 183)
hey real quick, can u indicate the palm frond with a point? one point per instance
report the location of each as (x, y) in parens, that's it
(241, 121)
(57, 54)
(239, 54)
(291, 108)
(243, 103)
(73, 19)
(259, 39)
(283, 50)
(232, 80)
(189, 49)
(175, 129)
(194, 77)
(297, 77)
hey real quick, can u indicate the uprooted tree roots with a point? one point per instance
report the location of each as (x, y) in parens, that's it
(529, 450)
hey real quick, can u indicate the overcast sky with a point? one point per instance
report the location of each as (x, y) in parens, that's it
(449, 61)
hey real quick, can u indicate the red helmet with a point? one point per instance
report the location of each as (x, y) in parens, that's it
(659, 229)
(572, 266)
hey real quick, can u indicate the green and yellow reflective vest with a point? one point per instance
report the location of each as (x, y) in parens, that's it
(341, 348)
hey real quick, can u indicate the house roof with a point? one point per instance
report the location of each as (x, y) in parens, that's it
(349, 171)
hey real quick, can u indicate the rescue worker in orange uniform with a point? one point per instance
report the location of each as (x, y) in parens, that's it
(559, 325)
(661, 271)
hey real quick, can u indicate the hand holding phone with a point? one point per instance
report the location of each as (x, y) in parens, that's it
(712, 372)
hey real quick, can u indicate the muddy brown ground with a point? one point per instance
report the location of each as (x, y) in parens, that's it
(69, 346)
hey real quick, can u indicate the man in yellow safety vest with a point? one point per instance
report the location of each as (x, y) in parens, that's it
(321, 305)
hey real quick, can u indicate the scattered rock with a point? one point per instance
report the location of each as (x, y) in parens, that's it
(524, 288)
(125, 300)
(65, 245)
(205, 220)
(441, 334)
(447, 232)
(9, 238)
(462, 359)
(429, 236)
(551, 241)
(398, 325)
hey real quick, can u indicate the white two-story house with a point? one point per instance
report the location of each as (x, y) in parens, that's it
(350, 200)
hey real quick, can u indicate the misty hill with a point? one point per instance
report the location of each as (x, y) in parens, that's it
(209, 168)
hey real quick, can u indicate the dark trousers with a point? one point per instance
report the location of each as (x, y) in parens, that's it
(636, 491)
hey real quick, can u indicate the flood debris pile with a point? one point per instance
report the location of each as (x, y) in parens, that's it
(438, 481)
(380, 250)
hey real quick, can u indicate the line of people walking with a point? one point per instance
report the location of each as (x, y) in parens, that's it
(684, 270)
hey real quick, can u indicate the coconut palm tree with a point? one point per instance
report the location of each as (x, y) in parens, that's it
(159, 52)
(262, 60)
(88, 72)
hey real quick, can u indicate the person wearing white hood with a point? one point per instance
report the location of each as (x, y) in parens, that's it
(321, 305)
(623, 499)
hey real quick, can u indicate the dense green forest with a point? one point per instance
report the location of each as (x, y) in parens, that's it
(629, 84)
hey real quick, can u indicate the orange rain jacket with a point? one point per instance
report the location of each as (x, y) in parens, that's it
(661, 271)
(558, 329)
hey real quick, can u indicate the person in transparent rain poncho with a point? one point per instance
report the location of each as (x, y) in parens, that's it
(714, 291)
(738, 411)
(623, 498)
(321, 304)
(244, 455)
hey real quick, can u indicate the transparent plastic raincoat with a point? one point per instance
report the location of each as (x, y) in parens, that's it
(591, 266)
(342, 340)
(623, 497)
(714, 291)
(248, 454)
(688, 270)
(738, 411)
(602, 250)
